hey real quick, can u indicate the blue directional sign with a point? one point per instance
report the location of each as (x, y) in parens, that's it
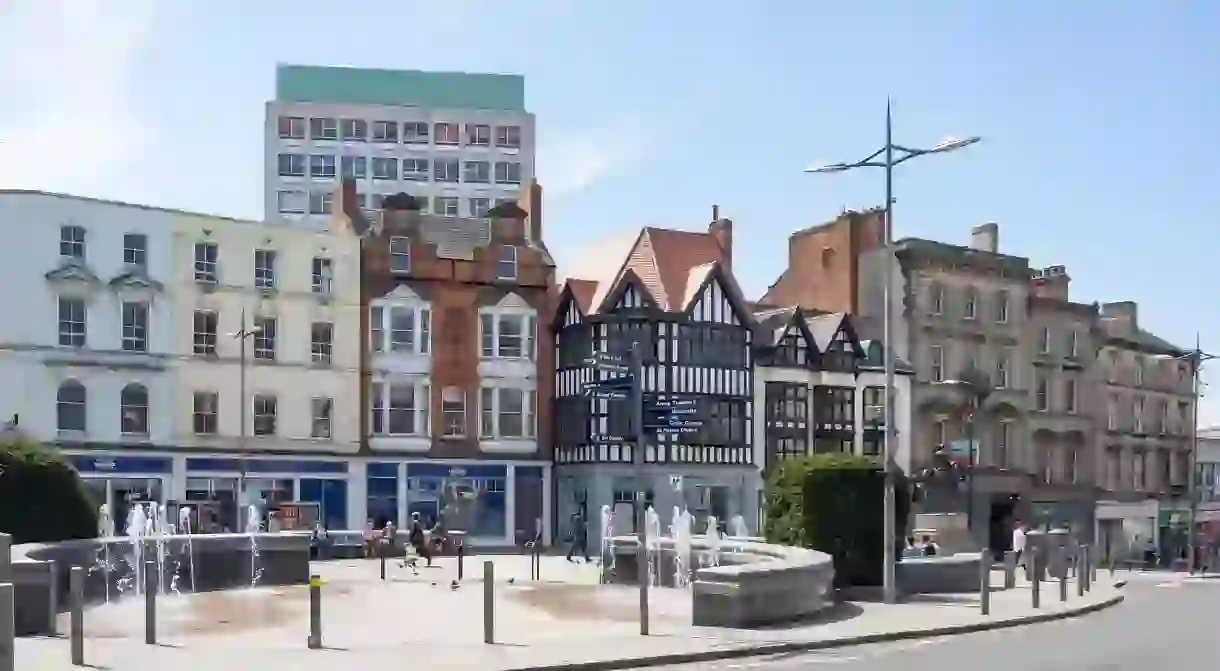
(609, 363)
(614, 388)
(672, 416)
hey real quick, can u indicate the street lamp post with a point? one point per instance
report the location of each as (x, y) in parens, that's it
(976, 390)
(1197, 358)
(241, 336)
(887, 158)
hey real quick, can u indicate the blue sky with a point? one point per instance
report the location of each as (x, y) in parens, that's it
(1099, 117)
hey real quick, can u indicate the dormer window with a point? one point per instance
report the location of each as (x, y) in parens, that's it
(506, 267)
(72, 242)
(400, 255)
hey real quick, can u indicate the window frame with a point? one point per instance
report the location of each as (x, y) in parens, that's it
(71, 394)
(72, 242)
(381, 409)
(507, 178)
(323, 166)
(399, 248)
(73, 329)
(384, 132)
(264, 268)
(492, 413)
(453, 413)
(322, 350)
(527, 340)
(322, 275)
(204, 343)
(421, 169)
(415, 137)
(133, 400)
(448, 206)
(265, 409)
(207, 262)
(359, 130)
(441, 171)
(476, 139)
(265, 339)
(354, 167)
(135, 250)
(381, 331)
(135, 316)
(507, 259)
(284, 196)
(286, 164)
(504, 136)
(323, 128)
(380, 175)
(471, 173)
(205, 413)
(321, 418)
(443, 138)
(286, 131)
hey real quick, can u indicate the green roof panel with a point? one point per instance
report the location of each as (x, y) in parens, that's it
(405, 88)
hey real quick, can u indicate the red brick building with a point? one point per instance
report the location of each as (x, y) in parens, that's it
(457, 366)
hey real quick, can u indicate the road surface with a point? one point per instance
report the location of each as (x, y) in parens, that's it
(1164, 623)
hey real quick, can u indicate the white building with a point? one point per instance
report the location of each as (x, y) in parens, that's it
(87, 351)
(117, 353)
(818, 388)
(459, 143)
(290, 371)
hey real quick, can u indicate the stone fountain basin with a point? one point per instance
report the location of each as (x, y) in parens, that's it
(752, 584)
(221, 561)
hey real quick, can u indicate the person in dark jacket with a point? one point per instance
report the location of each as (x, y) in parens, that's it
(418, 539)
(579, 537)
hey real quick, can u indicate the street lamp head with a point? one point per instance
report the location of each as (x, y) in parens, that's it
(951, 144)
(833, 167)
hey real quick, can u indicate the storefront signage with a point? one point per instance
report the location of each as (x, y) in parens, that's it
(103, 464)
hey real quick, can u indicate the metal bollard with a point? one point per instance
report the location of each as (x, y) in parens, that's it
(1090, 568)
(8, 627)
(76, 622)
(1111, 567)
(315, 612)
(151, 586)
(461, 559)
(489, 602)
(985, 582)
(382, 559)
(1035, 584)
(1063, 585)
(1010, 569)
(52, 598)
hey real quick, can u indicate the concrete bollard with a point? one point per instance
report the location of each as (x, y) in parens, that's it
(76, 621)
(52, 598)
(151, 586)
(1035, 585)
(6, 558)
(985, 582)
(1010, 569)
(315, 612)
(8, 627)
(489, 602)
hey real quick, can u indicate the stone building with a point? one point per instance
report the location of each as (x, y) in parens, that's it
(456, 367)
(1147, 386)
(973, 313)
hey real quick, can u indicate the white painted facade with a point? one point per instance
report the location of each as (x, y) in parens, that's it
(294, 378)
(316, 185)
(860, 381)
(39, 270)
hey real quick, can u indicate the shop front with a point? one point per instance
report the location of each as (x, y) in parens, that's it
(226, 486)
(1125, 529)
(121, 481)
(496, 504)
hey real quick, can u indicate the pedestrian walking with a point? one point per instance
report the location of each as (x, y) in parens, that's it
(580, 537)
(1018, 546)
(417, 538)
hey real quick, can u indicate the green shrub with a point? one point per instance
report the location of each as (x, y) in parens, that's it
(42, 498)
(833, 503)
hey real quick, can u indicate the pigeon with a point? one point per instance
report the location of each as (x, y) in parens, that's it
(511, 580)
(453, 585)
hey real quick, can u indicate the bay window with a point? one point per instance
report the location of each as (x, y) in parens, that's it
(507, 413)
(401, 329)
(399, 408)
(507, 335)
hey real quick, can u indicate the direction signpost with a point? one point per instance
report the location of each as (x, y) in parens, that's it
(672, 416)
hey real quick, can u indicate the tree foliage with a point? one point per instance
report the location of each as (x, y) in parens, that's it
(42, 498)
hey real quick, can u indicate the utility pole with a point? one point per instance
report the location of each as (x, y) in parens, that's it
(641, 444)
(242, 334)
(888, 163)
(1197, 357)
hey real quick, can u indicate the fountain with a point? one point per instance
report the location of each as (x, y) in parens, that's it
(184, 527)
(712, 537)
(607, 543)
(105, 530)
(738, 528)
(137, 527)
(652, 545)
(254, 525)
(679, 531)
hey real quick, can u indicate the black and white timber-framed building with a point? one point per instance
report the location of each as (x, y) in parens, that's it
(819, 388)
(674, 292)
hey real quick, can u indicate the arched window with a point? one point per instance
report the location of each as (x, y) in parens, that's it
(134, 403)
(70, 406)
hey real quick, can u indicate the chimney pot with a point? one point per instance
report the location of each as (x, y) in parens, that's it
(986, 237)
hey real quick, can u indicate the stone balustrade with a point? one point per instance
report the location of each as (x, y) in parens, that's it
(755, 583)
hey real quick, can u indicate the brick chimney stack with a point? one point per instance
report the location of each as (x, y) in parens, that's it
(531, 202)
(1051, 282)
(722, 230)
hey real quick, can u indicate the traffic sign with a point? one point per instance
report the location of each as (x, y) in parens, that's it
(674, 430)
(620, 385)
(608, 395)
(609, 362)
(607, 439)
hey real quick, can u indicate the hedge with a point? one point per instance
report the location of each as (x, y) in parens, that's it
(42, 498)
(833, 503)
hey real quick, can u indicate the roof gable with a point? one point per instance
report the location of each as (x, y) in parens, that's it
(716, 297)
(629, 293)
(826, 329)
(568, 311)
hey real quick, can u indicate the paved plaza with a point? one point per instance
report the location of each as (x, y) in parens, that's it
(565, 618)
